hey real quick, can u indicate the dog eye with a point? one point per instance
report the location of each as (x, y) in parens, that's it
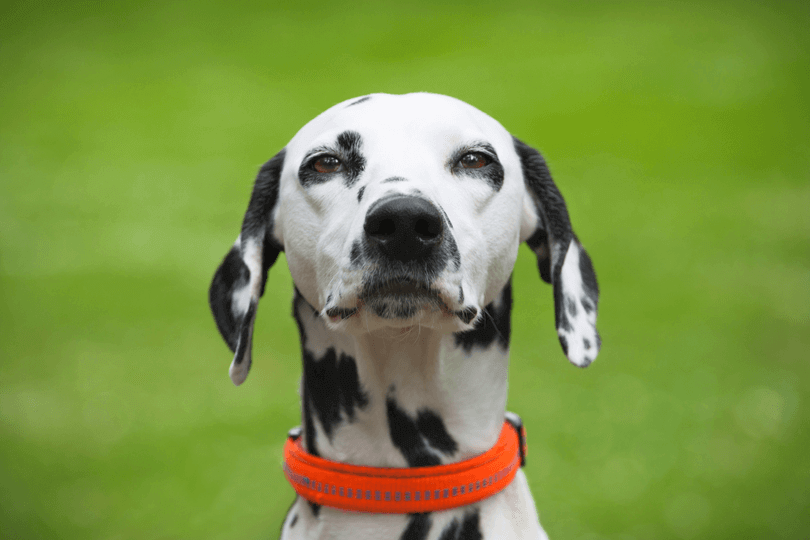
(474, 160)
(326, 164)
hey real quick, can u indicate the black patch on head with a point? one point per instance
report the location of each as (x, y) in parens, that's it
(491, 173)
(348, 148)
(418, 527)
(360, 193)
(359, 101)
(351, 145)
(468, 529)
(394, 179)
(416, 438)
(495, 324)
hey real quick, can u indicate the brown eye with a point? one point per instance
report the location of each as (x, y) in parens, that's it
(326, 164)
(473, 160)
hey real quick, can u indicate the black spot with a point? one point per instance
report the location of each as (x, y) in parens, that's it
(451, 531)
(232, 275)
(469, 529)
(587, 305)
(351, 144)
(564, 324)
(394, 179)
(359, 101)
(588, 275)
(412, 437)
(492, 172)
(586, 343)
(294, 521)
(418, 527)
(495, 324)
(564, 344)
(360, 193)
(571, 305)
(460, 294)
(431, 426)
(538, 242)
(316, 508)
(332, 387)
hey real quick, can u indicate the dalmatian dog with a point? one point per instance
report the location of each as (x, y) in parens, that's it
(401, 217)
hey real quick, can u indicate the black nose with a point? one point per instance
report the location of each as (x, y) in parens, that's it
(404, 228)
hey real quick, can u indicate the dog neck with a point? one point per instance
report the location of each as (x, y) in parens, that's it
(406, 397)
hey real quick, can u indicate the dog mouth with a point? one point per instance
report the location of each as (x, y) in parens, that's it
(400, 298)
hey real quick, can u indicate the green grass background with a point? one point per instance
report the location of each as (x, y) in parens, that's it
(130, 133)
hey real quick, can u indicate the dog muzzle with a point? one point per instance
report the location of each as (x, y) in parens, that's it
(406, 490)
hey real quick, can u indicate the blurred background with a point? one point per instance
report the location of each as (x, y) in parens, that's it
(130, 134)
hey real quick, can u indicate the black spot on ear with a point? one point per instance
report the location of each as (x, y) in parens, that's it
(587, 305)
(418, 527)
(359, 101)
(412, 437)
(588, 275)
(586, 343)
(564, 344)
(495, 324)
(232, 275)
(571, 305)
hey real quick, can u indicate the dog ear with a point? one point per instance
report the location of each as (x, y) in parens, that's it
(239, 281)
(562, 260)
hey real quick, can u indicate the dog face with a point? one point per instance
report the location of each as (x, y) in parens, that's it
(395, 211)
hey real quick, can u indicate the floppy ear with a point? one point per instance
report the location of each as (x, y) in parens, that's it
(562, 261)
(239, 281)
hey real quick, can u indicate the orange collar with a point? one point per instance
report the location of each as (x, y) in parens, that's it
(406, 490)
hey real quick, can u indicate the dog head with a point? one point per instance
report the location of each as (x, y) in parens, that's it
(396, 211)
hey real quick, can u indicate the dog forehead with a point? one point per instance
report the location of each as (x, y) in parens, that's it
(387, 119)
